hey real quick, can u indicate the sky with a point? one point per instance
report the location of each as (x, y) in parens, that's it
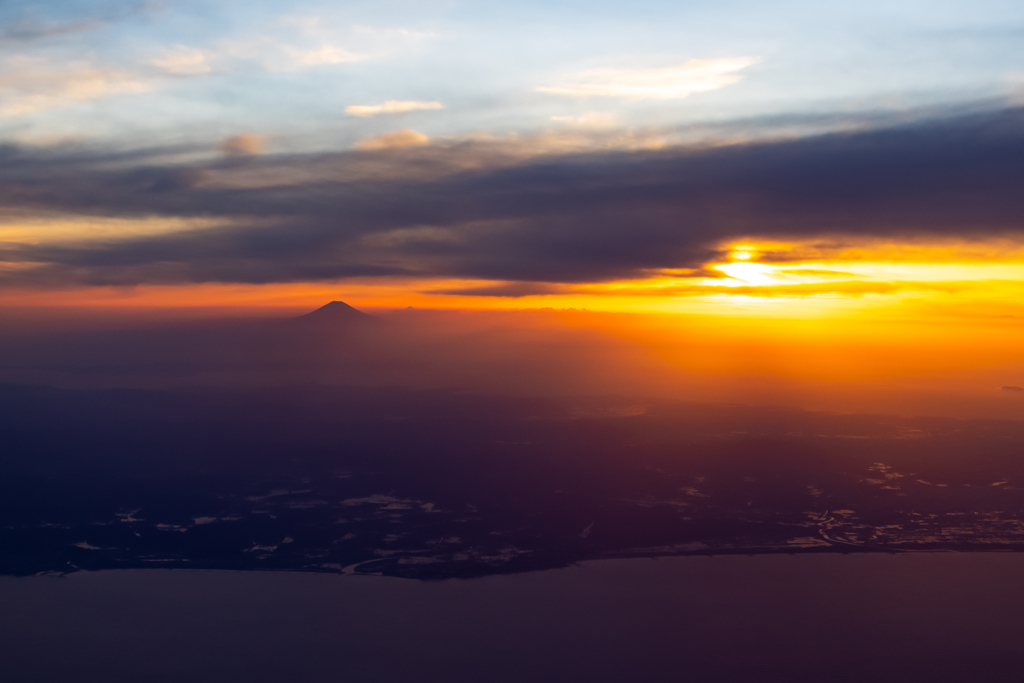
(754, 170)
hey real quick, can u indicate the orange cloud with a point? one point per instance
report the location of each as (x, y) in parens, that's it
(244, 144)
(31, 84)
(399, 138)
(391, 107)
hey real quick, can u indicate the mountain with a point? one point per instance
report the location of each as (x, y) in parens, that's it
(336, 315)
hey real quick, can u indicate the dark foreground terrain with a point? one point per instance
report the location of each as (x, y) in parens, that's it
(432, 484)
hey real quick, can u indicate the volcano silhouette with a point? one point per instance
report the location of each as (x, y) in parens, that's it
(336, 315)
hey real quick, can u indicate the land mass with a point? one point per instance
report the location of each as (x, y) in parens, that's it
(433, 484)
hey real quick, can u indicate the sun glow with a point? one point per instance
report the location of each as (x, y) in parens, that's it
(938, 325)
(742, 253)
(746, 273)
(776, 280)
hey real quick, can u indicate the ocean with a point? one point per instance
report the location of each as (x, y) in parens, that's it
(870, 617)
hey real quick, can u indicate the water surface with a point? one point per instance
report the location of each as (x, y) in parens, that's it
(911, 617)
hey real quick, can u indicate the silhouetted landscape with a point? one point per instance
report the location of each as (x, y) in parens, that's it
(428, 482)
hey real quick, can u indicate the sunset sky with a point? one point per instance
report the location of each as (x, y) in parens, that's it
(400, 337)
(802, 174)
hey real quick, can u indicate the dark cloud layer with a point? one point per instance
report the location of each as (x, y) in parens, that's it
(19, 22)
(573, 218)
(512, 290)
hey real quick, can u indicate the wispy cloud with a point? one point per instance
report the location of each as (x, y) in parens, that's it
(24, 31)
(28, 28)
(592, 119)
(228, 56)
(183, 61)
(328, 54)
(283, 51)
(31, 84)
(511, 290)
(666, 83)
(244, 144)
(399, 138)
(390, 107)
(404, 33)
(276, 55)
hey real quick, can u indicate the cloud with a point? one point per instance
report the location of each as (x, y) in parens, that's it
(244, 144)
(404, 33)
(31, 84)
(851, 287)
(274, 56)
(390, 107)
(316, 45)
(399, 138)
(278, 56)
(328, 54)
(183, 61)
(475, 210)
(592, 119)
(26, 30)
(666, 83)
(306, 23)
(513, 290)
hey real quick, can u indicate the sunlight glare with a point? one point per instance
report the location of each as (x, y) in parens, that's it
(745, 273)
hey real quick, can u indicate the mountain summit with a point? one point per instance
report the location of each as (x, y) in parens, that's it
(336, 314)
